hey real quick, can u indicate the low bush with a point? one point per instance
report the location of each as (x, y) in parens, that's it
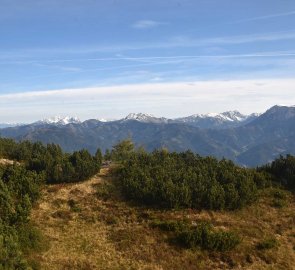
(279, 198)
(267, 243)
(202, 235)
(105, 190)
(74, 206)
(170, 225)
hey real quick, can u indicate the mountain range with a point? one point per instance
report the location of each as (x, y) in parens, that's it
(210, 120)
(249, 140)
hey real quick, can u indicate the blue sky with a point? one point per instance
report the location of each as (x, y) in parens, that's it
(106, 52)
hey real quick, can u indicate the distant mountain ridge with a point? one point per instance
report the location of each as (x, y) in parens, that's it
(210, 120)
(218, 120)
(248, 140)
(7, 125)
(58, 120)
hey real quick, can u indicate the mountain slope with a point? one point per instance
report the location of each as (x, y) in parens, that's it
(254, 142)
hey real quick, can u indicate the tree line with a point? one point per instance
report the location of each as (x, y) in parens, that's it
(57, 166)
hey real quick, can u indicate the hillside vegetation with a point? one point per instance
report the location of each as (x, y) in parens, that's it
(20, 186)
(187, 180)
(51, 161)
(89, 225)
(156, 210)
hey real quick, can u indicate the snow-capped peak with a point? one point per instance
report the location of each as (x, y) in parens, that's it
(139, 116)
(225, 119)
(103, 120)
(232, 116)
(58, 120)
(144, 117)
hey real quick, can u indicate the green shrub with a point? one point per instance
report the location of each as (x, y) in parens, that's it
(205, 237)
(186, 180)
(201, 235)
(267, 243)
(11, 255)
(279, 203)
(279, 194)
(280, 198)
(74, 206)
(19, 189)
(105, 190)
(170, 225)
(282, 170)
(31, 239)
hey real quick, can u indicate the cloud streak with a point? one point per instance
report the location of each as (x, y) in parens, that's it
(153, 62)
(152, 58)
(146, 24)
(162, 99)
(249, 20)
(266, 17)
(169, 42)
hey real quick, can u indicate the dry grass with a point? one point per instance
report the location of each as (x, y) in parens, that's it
(4, 161)
(90, 227)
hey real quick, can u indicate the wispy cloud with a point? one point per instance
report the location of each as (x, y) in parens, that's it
(246, 20)
(146, 24)
(187, 41)
(148, 60)
(169, 42)
(265, 64)
(266, 17)
(56, 67)
(163, 99)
